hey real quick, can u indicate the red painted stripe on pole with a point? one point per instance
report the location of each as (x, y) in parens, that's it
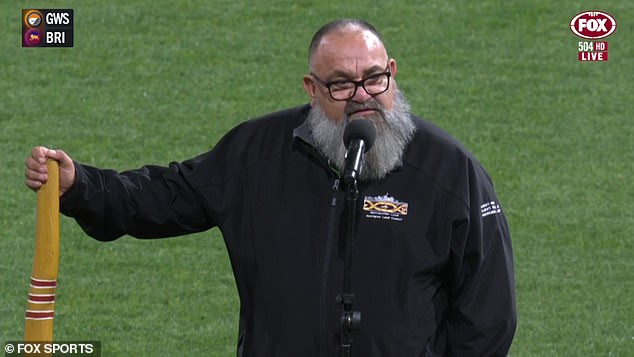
(43, 283)
(41, 298)
(39, 315)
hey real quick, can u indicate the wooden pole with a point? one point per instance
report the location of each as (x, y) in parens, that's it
(41, 300)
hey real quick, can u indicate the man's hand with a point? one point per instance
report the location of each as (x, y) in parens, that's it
(36, 170)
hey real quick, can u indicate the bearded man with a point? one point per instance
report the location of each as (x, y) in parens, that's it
(433, 266)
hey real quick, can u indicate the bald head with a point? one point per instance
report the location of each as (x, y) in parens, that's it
(340, 28)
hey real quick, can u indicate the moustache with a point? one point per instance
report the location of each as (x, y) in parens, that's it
(354, 107)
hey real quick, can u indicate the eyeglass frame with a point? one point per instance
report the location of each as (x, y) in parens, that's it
(357, 84)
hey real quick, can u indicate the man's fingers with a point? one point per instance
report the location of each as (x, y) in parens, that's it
(33, 184)
(33, 169)
(36, 171)
(38, 153)
(34, 178)
(59, 156)
(52, 154)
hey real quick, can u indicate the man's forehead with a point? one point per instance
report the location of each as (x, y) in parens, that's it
(349, 45)
(350, 38)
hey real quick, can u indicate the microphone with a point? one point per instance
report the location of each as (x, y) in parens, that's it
(358, 137)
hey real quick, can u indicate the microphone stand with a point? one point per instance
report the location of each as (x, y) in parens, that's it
(350, 319)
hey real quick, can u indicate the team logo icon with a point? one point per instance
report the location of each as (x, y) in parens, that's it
(33, 18)
(32, 37)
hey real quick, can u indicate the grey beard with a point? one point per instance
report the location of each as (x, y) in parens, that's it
(395, 129)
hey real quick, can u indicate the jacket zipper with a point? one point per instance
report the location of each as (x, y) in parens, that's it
(324, 274)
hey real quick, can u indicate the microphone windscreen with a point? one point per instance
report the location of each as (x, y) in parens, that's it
(360, 129)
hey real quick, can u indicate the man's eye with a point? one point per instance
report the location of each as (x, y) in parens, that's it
(342, 85)
(375, 79)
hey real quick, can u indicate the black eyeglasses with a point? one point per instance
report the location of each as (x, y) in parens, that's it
(344, 90)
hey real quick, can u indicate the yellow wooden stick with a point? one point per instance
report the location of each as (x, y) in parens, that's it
(41, 301)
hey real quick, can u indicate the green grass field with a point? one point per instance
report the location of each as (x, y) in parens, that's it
(156, 81)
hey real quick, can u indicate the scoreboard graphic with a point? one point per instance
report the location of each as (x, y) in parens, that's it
(47, 28)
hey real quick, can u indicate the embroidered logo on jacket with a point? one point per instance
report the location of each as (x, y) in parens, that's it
(489, 208)
(384, 207)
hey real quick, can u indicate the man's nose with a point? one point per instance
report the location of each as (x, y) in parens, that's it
(360, 95)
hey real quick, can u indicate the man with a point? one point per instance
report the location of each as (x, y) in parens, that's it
(432, 271)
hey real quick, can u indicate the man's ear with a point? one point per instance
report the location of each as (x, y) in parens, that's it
(309, 86)
(392, 66)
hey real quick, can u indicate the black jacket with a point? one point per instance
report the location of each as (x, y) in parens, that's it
(432, 264)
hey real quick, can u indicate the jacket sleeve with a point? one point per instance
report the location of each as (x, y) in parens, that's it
(150, 202)
(481, 319)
